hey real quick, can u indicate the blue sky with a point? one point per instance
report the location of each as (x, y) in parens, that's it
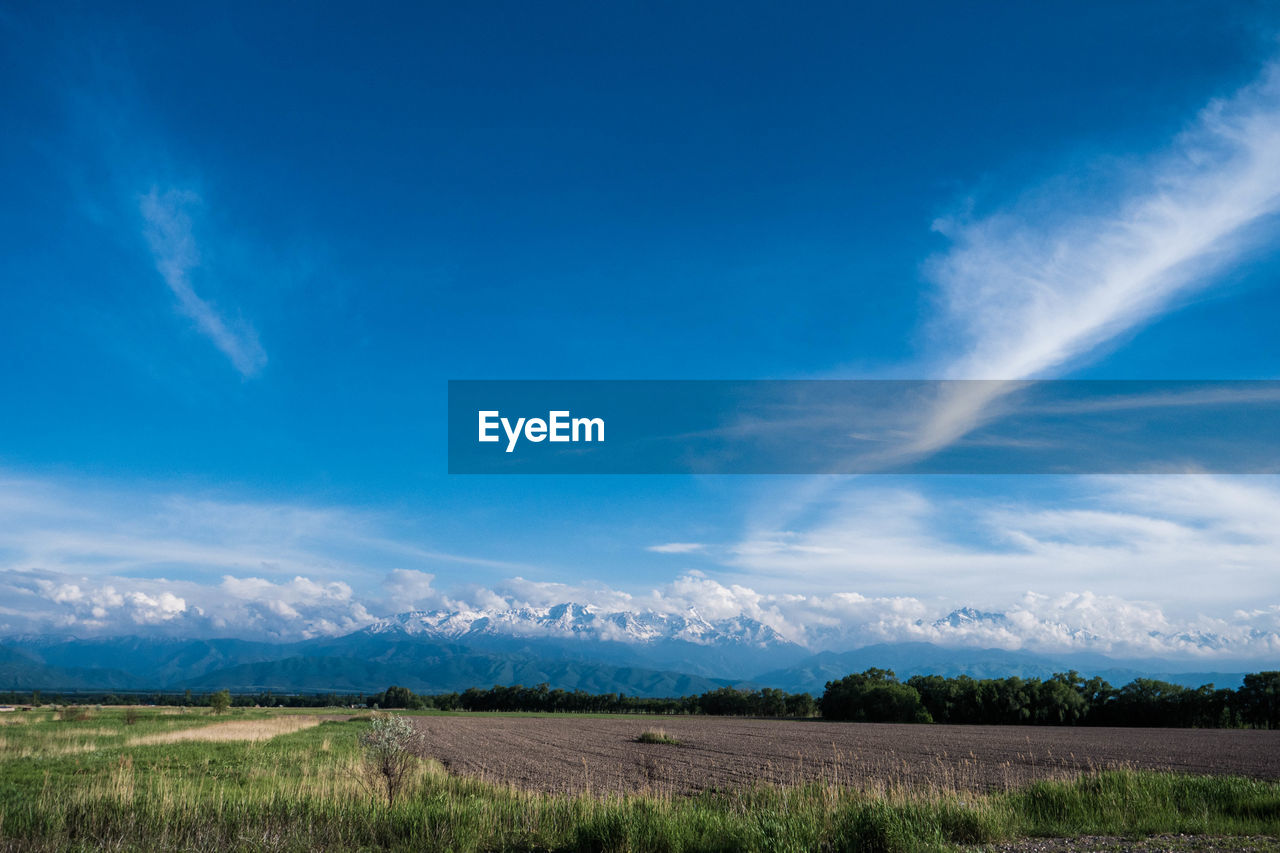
(242, 250)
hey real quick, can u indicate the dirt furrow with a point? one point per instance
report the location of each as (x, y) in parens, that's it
(572, 754)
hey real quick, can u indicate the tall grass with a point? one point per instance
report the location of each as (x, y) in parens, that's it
(300, 791)
(658, 735)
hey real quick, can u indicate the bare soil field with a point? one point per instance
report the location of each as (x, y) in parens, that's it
(575, 754)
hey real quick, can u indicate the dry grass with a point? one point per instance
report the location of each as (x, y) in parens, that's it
(11, 748)
(658, 735)
(238, 730)
(75, 713)
(81, 732)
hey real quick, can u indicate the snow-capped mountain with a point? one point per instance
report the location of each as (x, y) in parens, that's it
(685, 642)
(968, 616)
(574, 646)
(581, 621)
(572, 625)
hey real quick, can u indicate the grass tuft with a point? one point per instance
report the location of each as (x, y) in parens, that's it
(657, 736)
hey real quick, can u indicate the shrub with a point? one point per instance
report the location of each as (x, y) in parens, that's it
(220, 701)
(657, 736)
(389, 755)
(131, 716)
(75, 714)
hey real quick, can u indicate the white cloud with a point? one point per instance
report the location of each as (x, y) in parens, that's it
(84, 558)
(298, 609)
(677, 548)
(1037, 287)
(94, 603)
(151, 610)
(410, 589)
(243, 607)
(521, 592)
(76, 528)
(298, 590)
(170, 235)
(1059, 623)
(1181, 541)
(1028, 292)
(1064, 621)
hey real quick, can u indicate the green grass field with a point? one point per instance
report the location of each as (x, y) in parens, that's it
(101, 783)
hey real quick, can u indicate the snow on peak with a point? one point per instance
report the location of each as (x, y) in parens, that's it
(585, 621)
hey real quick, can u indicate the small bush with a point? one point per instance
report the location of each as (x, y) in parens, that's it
(220, 701)
(389, 755)
(75, 714)
(131, 716)
(657, 736)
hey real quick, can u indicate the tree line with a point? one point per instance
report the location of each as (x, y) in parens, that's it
(725, 701)
(876, 695)
(1063, 699)
(188, 699)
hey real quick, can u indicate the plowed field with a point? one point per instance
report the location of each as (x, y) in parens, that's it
(573, 754)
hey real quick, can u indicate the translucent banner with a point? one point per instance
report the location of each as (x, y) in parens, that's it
(863, 427)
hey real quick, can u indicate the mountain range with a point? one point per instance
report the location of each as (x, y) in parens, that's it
(570, 646)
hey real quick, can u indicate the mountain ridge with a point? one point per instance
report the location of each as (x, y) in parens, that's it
(568, 645)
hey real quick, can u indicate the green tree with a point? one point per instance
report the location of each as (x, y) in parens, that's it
(874, 696)
(1259, 699)
(1059, 701)
(397, 697)
(801, 705)
(220, 701)
(773, 702)
(725, 702)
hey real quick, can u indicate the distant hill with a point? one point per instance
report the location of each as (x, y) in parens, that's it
(324, 674)
(152, 661)
(360, 663)
(569, 646)
(19, 670)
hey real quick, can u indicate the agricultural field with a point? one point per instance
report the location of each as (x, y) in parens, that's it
(601, 755)
(266, 780)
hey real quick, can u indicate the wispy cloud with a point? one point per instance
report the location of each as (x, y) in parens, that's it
(1048, 282)
(83, 558)
(677, 548)
(170, 235)
(1183, 542)
(83, 528)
